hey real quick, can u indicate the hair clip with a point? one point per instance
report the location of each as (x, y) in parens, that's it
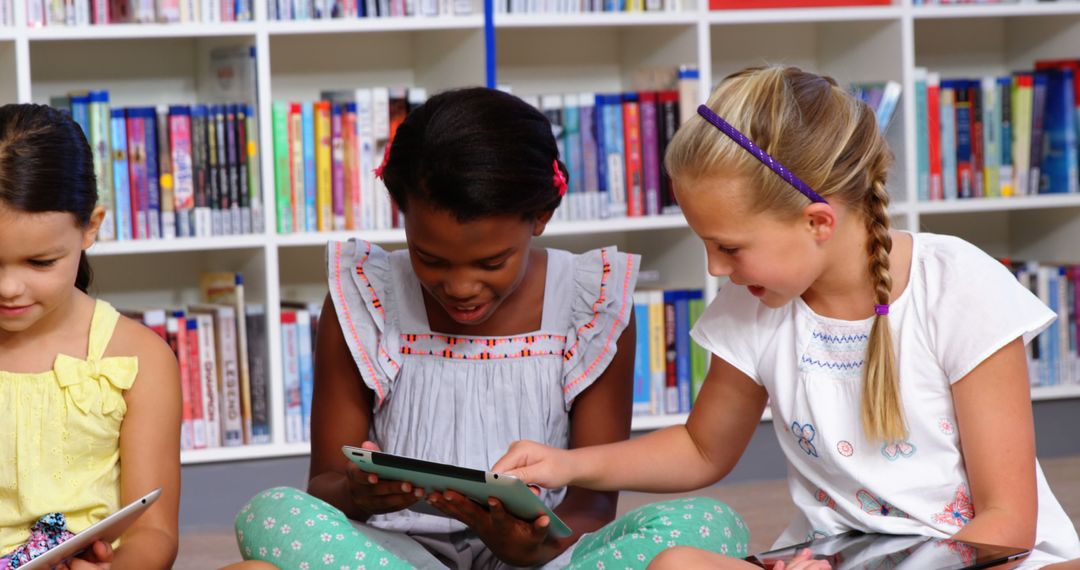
(559, 179)
(382, 166)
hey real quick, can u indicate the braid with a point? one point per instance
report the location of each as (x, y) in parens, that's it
(881, 415)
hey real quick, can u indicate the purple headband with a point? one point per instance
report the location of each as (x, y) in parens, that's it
(759, 154)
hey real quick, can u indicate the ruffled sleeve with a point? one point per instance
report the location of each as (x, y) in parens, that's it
(601, 306)
(361, 286)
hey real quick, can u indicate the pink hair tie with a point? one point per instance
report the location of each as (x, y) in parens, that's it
(382, 166)
(559, 179)
(881, 310)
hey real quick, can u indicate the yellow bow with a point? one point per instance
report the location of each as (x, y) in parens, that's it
(91, 381)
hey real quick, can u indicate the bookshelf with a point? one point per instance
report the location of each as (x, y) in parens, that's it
(536, 54)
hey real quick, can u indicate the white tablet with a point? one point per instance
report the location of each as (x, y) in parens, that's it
(107, 529)
(478, 485)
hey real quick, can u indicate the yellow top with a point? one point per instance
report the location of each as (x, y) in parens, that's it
(60, 437)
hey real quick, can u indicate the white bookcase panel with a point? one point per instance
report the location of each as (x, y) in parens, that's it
(172, 280)
(1046, 235)
(136, 72)
(537, 61)
(303, 65)
(994, 45)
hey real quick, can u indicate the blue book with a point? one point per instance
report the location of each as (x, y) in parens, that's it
(80, 112)
(642, 370)
(153, 203)
(572, 144)
(682, 349)
(121, 182)
(1005, 139)
(601, 157)
(1059, 163)
(962, 158)
(307, 114)
(1039, 81)
(614, 154)
(922, 136)
(307, 369)
(948, 140)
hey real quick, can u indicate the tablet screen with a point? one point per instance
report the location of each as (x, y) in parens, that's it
(410, 464)
(857, 551)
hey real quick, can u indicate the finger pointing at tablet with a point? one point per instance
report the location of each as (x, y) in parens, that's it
(537, 464)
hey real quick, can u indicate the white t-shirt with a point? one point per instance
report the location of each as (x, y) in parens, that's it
(960, 306)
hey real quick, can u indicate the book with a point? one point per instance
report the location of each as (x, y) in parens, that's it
(227, 288)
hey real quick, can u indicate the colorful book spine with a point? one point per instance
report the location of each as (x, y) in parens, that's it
(948, 141)
(1021, 124)
(165, 175)
(121, 184)
(590, 157)
(1004, 95)
(282, 191)
(202, 221)
(650, 155)
(198, 427)
(365, 140)
(213, 172)
(615, 153)
(671, 382)
(136, 143)
(323, 167)
(991, 109)
(302, 206)
(260, 374)
(573, 156)
(306, 368)
(210, 378)
(635, 198)
(226, 194)
(337, 169)
(244, 199)
(351, 165)
(290, 351)
(922, 148)
(657, 352)
(642, 401)
(1038, 119)
(100, 143)
(933, 123)
(173, 324)
(603, 178)
(699, 357)
(232, 170)
(666, 125)
(258, 210)
(682, 350)
(153, 174)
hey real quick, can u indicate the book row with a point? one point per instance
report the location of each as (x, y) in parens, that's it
(998, 136)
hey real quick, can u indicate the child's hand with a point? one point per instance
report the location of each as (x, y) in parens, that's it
(376, 497)
(514, 541)
(98, 557)
(536, 463)
(804, 560)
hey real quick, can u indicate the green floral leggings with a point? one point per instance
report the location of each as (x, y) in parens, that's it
(294, 530)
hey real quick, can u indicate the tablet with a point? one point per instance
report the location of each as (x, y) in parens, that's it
(858, 551)
(107, 529)
(478, 485)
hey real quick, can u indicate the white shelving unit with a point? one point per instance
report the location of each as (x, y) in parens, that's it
(538, 54)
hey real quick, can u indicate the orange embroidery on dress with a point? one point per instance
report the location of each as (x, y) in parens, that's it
(614, 326)
(349, 321)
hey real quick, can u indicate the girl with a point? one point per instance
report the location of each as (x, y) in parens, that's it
(91, 400)
(783, 177)
(453, 348)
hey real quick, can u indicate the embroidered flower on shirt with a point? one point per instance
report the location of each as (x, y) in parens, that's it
(845, 448)
(877, 506)
(960, 511)
(805, 434)
(824, 498)
(946, 426)
(894, 451)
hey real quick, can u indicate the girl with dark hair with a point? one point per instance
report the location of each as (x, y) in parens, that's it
(91, 400)
(453, 348)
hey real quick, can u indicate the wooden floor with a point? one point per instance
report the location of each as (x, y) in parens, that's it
(766, 506)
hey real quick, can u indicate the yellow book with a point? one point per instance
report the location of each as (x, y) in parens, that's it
(323, 167)
(657, 356)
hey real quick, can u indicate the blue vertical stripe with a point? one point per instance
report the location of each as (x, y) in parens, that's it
(489, 42)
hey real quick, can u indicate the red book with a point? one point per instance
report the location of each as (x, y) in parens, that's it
(635, 202)
(198, 418)
(176, 330)
(760, 4)
(933, 124)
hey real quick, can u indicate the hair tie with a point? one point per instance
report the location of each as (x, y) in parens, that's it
(559, 179)
(382, 166)
(881, 310)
